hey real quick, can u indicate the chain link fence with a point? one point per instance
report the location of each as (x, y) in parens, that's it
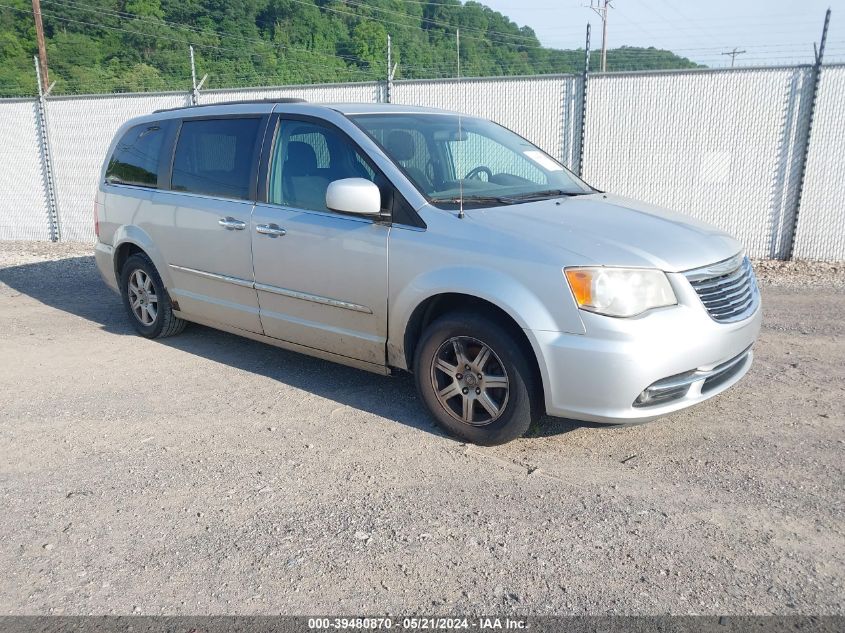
(81, 129)
(820, 232)
(724, 146)
(24, 208)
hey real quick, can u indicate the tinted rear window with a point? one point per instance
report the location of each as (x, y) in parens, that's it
(215, 156)
(135, 159)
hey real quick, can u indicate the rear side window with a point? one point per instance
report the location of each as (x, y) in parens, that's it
(135, 159)
(215, 157)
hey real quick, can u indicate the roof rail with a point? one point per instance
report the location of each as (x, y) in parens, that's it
(241, 102)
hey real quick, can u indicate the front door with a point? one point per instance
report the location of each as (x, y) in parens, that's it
(321, 276)
(205, 220)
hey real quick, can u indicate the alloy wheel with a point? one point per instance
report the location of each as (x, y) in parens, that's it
(142, 297)
(470, 381)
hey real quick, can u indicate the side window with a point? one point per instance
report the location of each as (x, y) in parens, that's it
(135, 158)
(215, 156)
(306, 158)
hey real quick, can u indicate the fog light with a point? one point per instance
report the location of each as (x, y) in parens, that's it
(662, 392)
(643, 398)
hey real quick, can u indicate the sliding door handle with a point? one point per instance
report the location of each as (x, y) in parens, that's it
(231, 224)
(272, 230)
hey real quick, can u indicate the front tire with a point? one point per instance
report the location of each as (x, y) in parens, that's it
(146, 300)
(476, 380)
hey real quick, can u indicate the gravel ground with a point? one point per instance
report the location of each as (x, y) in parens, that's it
(209, 474)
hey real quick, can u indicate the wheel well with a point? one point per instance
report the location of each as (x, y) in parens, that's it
(438, 305)
(124, 252)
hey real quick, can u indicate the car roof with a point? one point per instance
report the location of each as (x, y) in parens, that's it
(264, 106)
(384, 108)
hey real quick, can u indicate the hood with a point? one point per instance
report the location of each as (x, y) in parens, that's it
(607, 230)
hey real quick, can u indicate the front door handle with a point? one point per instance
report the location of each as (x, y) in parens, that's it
(273, 230)
(231, 224)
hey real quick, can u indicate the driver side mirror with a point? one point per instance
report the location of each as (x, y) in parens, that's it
(354, 195)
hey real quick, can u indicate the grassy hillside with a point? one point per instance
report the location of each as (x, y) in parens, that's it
(137, 45)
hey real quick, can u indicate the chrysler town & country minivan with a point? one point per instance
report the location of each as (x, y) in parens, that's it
(395, 238)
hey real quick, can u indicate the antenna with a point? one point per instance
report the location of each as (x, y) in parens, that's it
(460, 131)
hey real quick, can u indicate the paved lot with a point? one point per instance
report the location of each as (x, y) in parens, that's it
(211, 474)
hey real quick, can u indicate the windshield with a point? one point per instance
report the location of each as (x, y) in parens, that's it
(475, 159)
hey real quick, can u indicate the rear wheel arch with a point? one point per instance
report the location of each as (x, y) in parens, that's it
(131, 246)
(123, 252)
(130, 240)
(438, 305)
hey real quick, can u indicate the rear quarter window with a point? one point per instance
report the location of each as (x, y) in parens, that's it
(215, 157)
(136, 157)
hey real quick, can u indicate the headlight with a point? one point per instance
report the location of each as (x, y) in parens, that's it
(620, 292)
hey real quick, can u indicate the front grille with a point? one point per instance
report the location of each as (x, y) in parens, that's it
(727, 289)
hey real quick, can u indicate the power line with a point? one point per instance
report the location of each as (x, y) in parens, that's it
(733, 54)
(409, 26)
(440, 23)
(631, 60)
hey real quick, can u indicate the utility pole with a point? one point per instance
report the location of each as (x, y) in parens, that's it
(601, 7)
(733, 54)
(42, 48)
(391, 69)
(389, 56)
(195, 90)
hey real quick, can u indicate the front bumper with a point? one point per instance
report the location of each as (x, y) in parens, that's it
(598, 376)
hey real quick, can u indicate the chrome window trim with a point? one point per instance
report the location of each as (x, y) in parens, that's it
(123, 185)
(206, 196)
(203, 196)
(326, 214)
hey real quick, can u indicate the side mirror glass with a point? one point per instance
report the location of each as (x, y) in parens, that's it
(354, 195)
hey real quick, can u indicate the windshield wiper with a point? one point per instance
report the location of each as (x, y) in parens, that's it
(457, 199)
(549, 193)
(513, 199)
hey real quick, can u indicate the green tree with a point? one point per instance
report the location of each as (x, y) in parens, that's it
(123, 45)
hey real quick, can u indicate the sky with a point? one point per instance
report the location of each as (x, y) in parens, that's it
(771, 32)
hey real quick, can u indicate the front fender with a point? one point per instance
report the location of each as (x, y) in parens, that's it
(130, 234)
(555, 312)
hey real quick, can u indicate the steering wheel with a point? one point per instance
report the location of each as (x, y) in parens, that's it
(481, 169)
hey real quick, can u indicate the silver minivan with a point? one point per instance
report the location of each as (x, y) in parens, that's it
(395, 238)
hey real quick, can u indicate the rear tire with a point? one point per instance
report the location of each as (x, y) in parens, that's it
(146, 300)
(475, 379)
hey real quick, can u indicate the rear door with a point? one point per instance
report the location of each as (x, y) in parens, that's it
(321, 276)
(204, 219)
